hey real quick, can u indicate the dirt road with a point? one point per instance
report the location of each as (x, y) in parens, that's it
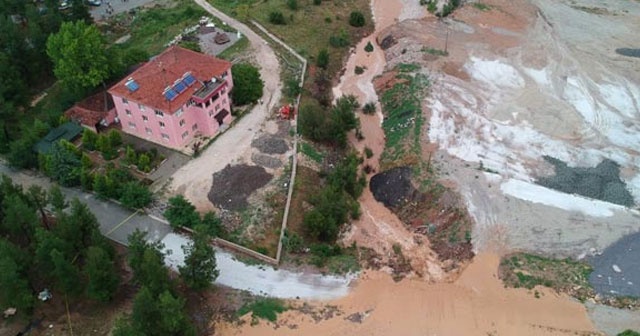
(234, 146)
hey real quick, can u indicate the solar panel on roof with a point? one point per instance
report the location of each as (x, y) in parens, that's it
(170, 94)
(189, 79)
(132, 85)
(179, 86)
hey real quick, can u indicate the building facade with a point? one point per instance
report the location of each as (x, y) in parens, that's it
(177, 96)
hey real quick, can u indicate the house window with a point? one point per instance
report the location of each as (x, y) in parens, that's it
(184, 135)
(207, 103)
(124, 100)
(211, 113)
(128, 112)
(145, 118)
(141, 107)
(148, 130)
(224, 74)
(217, 107)
(165, 136)
(161, 124)
(179, 112)
(223, 90)
(194, 127)
(182, 122)
(224, 101)
(132, 125)
(159, 113)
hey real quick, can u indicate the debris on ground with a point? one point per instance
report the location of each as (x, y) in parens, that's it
(233, 185)
(616, 271)
(270, 145)
(601, 182)
(266, 161)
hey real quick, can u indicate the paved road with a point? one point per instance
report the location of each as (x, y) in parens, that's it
(117, 223)
(617, 270)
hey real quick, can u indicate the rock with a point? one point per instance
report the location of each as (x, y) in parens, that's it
(616, 268)
(387, 42)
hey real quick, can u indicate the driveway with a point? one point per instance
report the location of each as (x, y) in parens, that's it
(195, 178)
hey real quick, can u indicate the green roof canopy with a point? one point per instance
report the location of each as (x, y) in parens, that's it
(68, 131)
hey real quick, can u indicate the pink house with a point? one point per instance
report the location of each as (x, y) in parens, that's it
(178, 95)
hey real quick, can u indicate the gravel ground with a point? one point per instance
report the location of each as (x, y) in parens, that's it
(267, 161)
(617, 270)
(392, 187)
(232, 185)
(270, 145)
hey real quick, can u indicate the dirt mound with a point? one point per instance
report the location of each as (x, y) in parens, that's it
(270, 145)
(601, 182)
(392, 187)
(265, 160)
(232, 185)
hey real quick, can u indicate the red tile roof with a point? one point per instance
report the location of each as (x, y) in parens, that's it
(91, 110)
(163, 71)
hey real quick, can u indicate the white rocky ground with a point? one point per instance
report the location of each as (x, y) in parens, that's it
(263, 279)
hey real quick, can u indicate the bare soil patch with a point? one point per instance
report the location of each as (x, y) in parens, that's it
(233, 185)
(270, 145)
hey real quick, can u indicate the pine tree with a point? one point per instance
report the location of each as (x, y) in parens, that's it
(199, 269)
(101, 273)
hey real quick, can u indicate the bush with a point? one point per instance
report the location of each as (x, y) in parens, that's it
(181, 213)
(89, 139)
(358, 70)
(248, 85)
(369, 47)
(277, 18)
(340, 41)
(369, 108)
(135, 195)
(266, 308)
(130, 156)
(368, 152)
(191, 45)
(292, 88)
(317, 2)
(356, 19)
(292, 4)
(323, 59)
(115, 138)
(144, 163)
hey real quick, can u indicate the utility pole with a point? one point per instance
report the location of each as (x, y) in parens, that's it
(446, 41)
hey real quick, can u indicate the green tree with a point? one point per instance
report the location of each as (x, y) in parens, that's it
(312, 121)
(15, 286)
(247, 84)
(105, 147)
(369, 47)
(181, 212)
(85, 162)
(115, 138)
(199, 268)
(130, 156)
(135, 195)
(629, 332)
(213, 225)
(80, 12)
(159, 315)
(86, 179)
(89, 139)
(66, 275)
(100, 185)
(46, 242)
(21, 154)
(292, 4)
(79, 57)
(57, 199)
(102, 275)
(356, 19)
(79, 227)
(20, 220)
(63, 164)
(277, 18)
(38, 199)
(322, 61)
(144, 163)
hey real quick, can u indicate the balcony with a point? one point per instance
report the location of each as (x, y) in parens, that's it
(204, 93)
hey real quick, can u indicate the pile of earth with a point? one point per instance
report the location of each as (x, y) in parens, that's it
(436, 212)
(628, 52)
(233, 185)
(270, 145)
(616, 272)
(601, 182)
(392, 187)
